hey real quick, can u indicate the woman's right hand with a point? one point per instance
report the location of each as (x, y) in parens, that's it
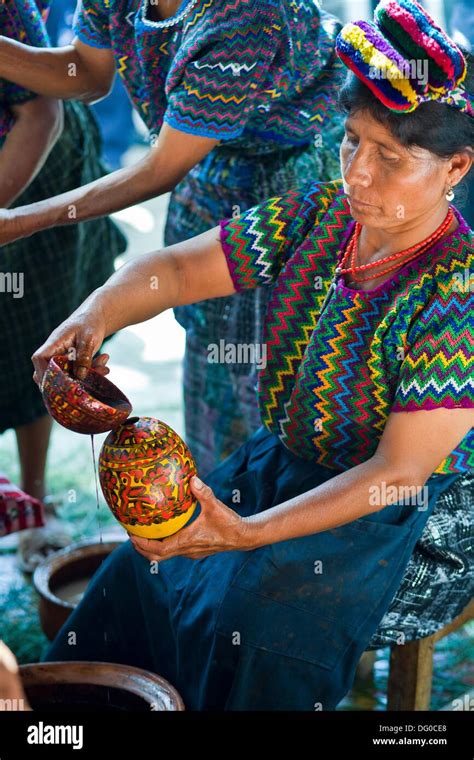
(79, 337)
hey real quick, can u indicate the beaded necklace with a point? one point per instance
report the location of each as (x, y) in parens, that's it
(351, 251)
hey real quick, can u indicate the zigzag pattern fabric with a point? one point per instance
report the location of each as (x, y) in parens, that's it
(256, 73)
(332, 379)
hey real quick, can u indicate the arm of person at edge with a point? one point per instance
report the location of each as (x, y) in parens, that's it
(38, 125)
(81, 72)
(411, 447)
(11, 688)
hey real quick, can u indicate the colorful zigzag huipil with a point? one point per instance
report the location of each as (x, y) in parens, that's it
(329, 385)
(256, 73)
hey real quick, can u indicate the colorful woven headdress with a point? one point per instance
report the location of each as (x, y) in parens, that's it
(405, 58)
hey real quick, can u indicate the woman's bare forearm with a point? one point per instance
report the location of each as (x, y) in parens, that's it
(181, 274)
(184, 273)
(113, 192)
(53, 72)
(170, 159)
(138, 291)
(359, 491)
(37, 127)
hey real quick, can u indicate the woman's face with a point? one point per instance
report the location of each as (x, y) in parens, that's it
(387, 184)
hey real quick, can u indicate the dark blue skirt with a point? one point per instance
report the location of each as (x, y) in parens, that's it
(281, 627)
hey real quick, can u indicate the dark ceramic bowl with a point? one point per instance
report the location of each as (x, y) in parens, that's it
(90, 406)
(62, 578)
(96, 686)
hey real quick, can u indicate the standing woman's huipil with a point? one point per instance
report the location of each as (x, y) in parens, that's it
(262, 77)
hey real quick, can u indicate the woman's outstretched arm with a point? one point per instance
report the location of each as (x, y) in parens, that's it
(169, 160)
(181, 274)
(412, 446)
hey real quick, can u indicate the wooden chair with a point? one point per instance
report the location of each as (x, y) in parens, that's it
(411, 667)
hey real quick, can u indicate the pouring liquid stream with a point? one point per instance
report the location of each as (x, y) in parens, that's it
(98, 521)
(96, 487)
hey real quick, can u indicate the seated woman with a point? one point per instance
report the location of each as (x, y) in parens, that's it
(268, 598)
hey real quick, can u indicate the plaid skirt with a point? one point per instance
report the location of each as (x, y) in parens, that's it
(45, 277)
(439, 579)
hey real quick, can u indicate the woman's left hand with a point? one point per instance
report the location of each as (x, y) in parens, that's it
(217, 529)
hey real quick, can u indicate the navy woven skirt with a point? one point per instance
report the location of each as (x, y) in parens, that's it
(281, 627)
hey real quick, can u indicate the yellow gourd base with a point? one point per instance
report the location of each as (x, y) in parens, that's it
(161, 530)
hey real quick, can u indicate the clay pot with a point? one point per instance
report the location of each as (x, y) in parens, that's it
(95, 686)
(62, 576)
(144, 470)
(91, 406)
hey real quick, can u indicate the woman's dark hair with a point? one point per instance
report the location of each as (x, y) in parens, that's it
(436, 127)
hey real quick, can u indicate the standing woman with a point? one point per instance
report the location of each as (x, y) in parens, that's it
(239, 101)
(44, 149)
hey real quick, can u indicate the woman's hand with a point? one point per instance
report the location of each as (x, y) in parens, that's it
(217, 529)
(79, 337)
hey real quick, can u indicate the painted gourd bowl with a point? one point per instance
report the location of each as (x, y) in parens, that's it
(94, 405)
(144, 471)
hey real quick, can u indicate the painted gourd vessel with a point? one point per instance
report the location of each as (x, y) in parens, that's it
(94, 405)
(144, 471)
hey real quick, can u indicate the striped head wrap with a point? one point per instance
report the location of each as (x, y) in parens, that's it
(405, 58)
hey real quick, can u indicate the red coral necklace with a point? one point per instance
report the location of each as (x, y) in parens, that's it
(412, 252)
(351, 252)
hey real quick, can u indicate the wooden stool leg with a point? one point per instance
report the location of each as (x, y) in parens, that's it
(411, 674)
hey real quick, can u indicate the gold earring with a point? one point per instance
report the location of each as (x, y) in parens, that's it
(450, 194)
